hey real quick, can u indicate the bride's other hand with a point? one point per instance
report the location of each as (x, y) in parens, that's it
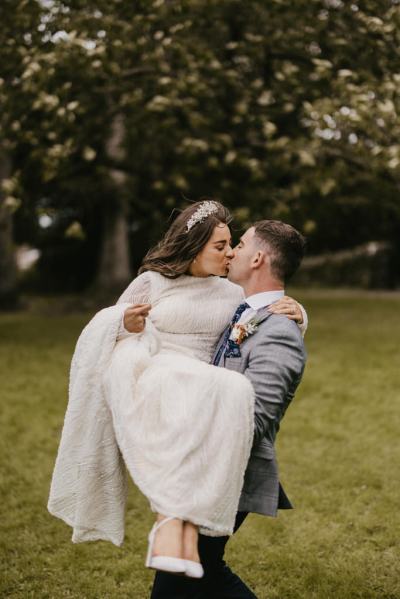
(135, 317)
(288, 307)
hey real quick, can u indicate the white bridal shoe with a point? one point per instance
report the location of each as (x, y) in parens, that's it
(193, 569)
(165, 563)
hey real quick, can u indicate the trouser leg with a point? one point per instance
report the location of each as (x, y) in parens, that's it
(170, 586)
(219, 582)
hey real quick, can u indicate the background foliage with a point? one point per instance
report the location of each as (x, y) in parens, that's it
(114, 112)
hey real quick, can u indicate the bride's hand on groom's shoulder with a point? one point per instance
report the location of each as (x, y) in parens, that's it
(135, 317)
(289, 308)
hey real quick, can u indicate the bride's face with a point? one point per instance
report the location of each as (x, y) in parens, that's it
(215, 255)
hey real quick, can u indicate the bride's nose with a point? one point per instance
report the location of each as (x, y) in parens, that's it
(229, 252)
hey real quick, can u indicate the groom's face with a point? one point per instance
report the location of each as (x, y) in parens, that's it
(243, 255)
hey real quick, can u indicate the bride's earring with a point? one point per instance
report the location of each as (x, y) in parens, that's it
(193, 267)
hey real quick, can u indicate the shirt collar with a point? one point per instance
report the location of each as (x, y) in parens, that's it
(265, 298)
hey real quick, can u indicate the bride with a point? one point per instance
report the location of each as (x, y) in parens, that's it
(144, 397)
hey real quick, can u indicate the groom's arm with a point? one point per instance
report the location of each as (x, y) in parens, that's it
(276, 364)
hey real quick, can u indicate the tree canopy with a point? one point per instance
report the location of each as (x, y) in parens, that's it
(280, 109)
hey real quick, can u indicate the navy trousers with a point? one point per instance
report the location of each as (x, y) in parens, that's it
(218, 582)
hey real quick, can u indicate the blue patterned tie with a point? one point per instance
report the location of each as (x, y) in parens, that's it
(228, 343)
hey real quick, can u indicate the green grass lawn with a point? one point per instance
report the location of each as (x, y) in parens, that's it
(338, 452)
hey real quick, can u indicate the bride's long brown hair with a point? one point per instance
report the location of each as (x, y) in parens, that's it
(178, 248)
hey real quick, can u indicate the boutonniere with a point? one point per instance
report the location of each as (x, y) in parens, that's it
(242, 330)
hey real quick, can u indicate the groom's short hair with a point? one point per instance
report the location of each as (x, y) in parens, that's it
(285, 246)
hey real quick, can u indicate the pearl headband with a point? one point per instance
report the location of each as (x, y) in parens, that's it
(202, 212)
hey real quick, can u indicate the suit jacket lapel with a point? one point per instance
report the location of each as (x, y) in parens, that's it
(262, 314)
(220, 342)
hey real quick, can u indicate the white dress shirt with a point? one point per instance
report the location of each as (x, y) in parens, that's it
(265, 298)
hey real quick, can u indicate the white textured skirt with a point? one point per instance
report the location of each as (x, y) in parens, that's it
(185, 430)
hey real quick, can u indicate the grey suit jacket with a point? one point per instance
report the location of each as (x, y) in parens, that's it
(273, 359)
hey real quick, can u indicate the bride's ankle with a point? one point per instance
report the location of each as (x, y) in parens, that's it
(168, 538)
(190, 542)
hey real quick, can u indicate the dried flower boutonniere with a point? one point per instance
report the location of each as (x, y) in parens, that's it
(242, 330)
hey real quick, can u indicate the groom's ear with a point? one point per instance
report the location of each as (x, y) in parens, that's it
(259, 259)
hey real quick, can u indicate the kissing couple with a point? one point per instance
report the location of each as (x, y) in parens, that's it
(183, 384)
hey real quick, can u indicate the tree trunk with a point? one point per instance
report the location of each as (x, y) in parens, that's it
(8, 268)
(114, 269)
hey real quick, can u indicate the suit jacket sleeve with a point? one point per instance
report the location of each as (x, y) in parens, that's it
(276, 364)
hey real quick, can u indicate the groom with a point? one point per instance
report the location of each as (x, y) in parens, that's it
(273, 358)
